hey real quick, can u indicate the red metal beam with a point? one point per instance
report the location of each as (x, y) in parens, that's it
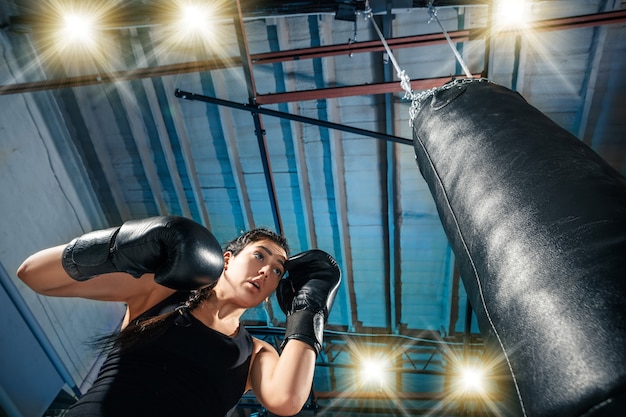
(354, 90)
(412, 41)
(361, 47)
(134, 74)
(596, 19)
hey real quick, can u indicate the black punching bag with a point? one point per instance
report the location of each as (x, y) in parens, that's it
(537, 222)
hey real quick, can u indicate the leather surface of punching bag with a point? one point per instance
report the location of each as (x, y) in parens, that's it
(537, 222)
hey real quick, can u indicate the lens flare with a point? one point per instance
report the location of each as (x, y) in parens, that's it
(373, 371)
(511, 14)
(194, 24)
(472, 380)
(193, 17)
(71, 37)
(78, 27)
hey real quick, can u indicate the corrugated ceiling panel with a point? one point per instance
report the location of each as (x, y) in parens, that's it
(370, 275)
(564, 8)
(609, 106)
(209, 147)
(121, 150)
(425, 257)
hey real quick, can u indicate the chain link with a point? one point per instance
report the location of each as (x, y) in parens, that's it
(417, 99)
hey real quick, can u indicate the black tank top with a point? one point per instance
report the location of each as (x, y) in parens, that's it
(189, 370)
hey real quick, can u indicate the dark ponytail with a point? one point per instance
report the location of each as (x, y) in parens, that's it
(141, 331)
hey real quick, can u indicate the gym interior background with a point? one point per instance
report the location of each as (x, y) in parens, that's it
(288, 115)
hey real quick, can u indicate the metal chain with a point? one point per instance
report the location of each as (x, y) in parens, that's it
(418, 99)
(405, 82)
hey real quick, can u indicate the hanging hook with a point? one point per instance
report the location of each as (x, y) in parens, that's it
(432, 12)
(353, 39)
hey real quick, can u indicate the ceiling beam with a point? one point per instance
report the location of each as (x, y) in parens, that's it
(285, 81)
(144, 149)
(354, 90)
(100, 152)
(192, 96)
(412, 340)
(115, 76)
(189, 160)
(227, 126)
(378, 395)
(162, 133)
(362, 47)
(398, 370)
(258, 121)
(597, 19)
(449, 410)
(576, 22)
(338, 173)
(591, 77)
(390, 186)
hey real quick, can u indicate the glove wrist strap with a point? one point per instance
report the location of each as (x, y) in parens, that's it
(306, 326)
(89, 255)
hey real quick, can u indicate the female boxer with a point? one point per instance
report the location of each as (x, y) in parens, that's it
(181, 350)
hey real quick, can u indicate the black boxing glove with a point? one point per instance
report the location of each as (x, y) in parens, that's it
(306, 296)
(181, 253)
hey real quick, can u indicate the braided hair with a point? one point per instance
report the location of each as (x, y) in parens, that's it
(140, 331)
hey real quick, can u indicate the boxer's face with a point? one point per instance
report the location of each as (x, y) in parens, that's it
(254, 273)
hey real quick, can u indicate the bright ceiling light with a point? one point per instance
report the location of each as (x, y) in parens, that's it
(71, 35)
(373, 370)
(511, 14)
(472, 380)
(193, 17)
(200, 27)
(78, 28)
(373, 373)
(196, 21)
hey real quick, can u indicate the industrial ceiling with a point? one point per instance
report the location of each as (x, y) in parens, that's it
(290, 115)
